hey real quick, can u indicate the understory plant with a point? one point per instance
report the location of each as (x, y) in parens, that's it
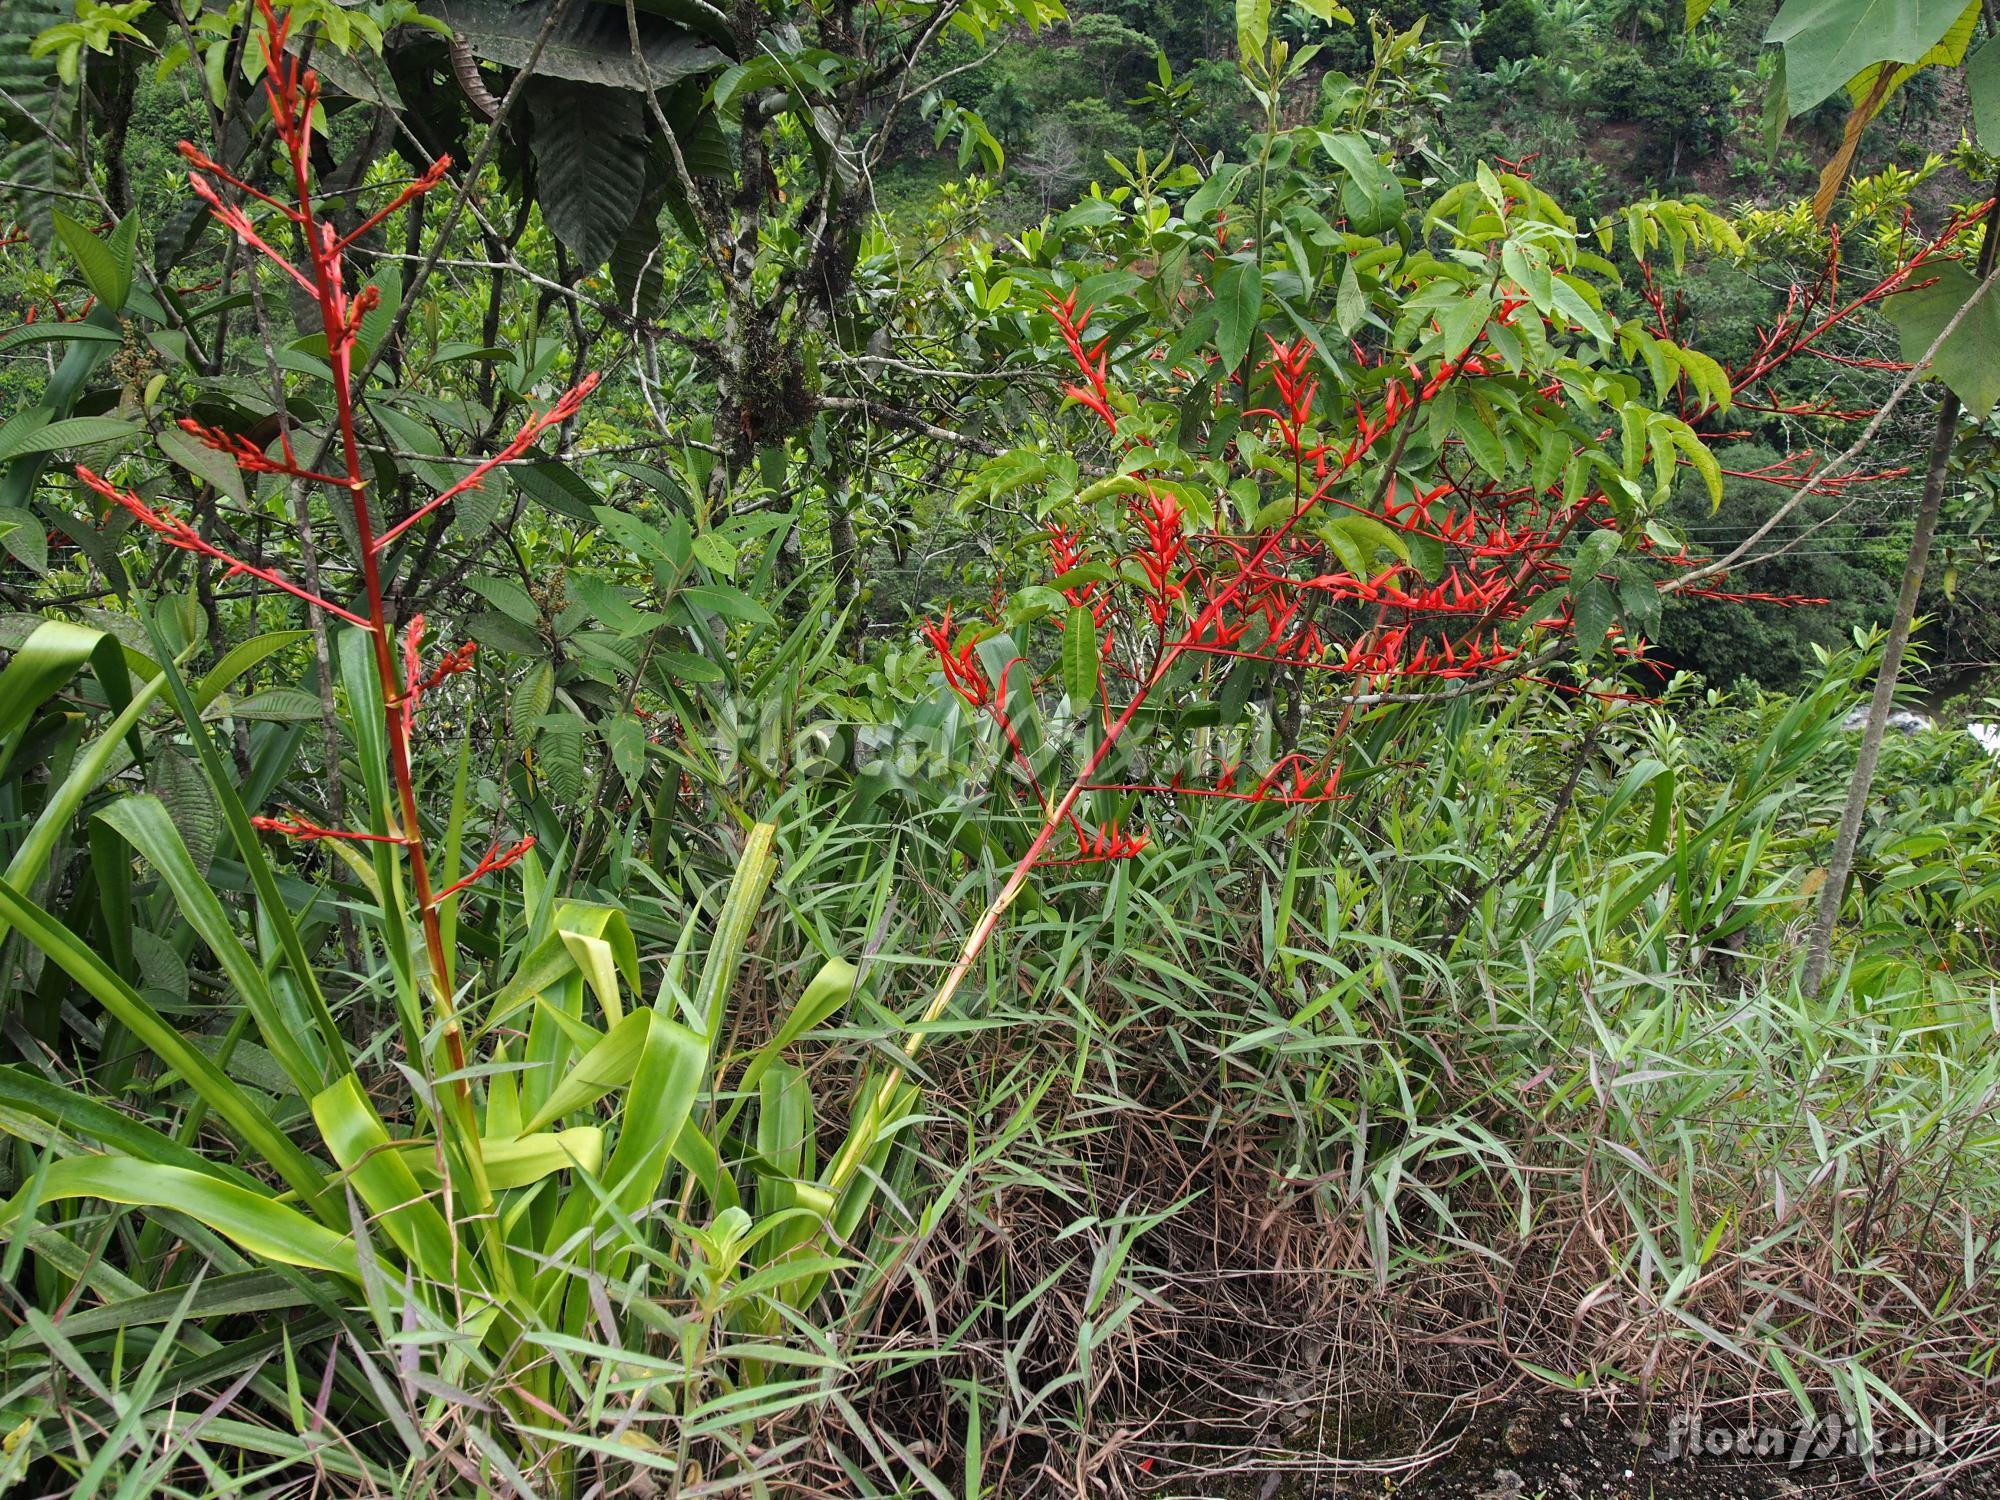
(515, 1249)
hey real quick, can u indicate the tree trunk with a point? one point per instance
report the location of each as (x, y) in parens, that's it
(1819, 953)
(115, 114)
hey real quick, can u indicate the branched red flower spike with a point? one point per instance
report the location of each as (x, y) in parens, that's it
(308, 832)
(1160, 519)
(415, 683)
(177, 533)
(565, 407)
(1442, 587)
(1290, 373)
(293, 93)
(1321, 592)
(496, 859)
(249, 457)
(961, 667)
(1094, 362)
(1110, 842)
(458, 659)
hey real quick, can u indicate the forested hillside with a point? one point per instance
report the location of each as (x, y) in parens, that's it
(974, 748)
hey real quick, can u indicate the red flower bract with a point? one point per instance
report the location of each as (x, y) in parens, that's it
(961, 667)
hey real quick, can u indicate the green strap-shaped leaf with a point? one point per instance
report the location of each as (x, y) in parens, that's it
(599, 966)
(266, 1228)
(653, 1127)
(91, 344)
(143, 822)
(784, 1121)
(48, 659)
(33, 855)
(525, 1160)
(70, 1113)
(607, 1066)
(555, 959)
(382, 1179)
(72, 432)
(361, 677)
(697, 1153)
(657, 1108)
(249, 1123)
(549, 981)
(270, 900)
(237, 1295)
(667, 1066)
(829, 990)
(754, 869)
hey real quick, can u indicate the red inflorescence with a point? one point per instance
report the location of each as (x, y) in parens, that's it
(1303, 597)
(293, 93)
(179, 534)
(1094, 362)
(307, 831)
(961, 667)
(496, 859)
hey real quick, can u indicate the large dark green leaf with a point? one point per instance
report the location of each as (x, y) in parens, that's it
(590, 44)
(1595, 609)
(36, 117)
(638, 260)
(1827, 42)
(106, 265)
(590, 152)
(1239, 302)
(1966, 363)
(1372, 197)
(1982, 83)
(560, 488)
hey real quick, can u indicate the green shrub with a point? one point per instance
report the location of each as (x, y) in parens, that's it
(1510, 31)
(1681, 102)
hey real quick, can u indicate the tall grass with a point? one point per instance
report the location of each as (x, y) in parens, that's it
(1277, 1161)
(1492, 1078)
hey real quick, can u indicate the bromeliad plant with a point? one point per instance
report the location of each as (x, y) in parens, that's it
(525, 1243)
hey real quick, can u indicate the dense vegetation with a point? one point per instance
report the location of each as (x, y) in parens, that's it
(960, 748)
